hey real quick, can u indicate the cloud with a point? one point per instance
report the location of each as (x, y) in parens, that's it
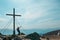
(19, 1)
(37, 15)
(29, 15)
(45, 24)
(2, 19)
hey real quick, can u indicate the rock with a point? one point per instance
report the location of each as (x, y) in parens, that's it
(16, 38)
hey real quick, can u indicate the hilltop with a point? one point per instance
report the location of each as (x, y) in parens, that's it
(55, 32)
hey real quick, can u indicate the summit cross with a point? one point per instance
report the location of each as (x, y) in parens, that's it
(13, 19)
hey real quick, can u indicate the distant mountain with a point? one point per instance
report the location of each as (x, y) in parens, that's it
(27, 31)
(6, 31)
(52, 33)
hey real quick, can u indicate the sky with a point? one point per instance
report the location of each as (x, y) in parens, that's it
(35, 14)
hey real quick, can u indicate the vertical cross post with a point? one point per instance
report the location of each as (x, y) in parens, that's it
(13, 21)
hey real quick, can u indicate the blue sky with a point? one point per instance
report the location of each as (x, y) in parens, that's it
(36, 14)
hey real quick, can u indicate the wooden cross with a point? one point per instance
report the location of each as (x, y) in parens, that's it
(13, 19)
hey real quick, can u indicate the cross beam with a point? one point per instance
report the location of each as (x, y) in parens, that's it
(13, 19)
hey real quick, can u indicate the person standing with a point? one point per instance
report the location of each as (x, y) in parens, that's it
(18, 30)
